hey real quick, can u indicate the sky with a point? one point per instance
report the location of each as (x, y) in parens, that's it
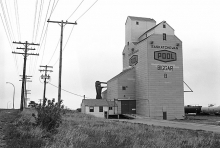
(92, 49)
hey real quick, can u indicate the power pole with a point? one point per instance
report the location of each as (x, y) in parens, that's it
(60, 61)
(45, 77)
(25, 54)
(25, 89)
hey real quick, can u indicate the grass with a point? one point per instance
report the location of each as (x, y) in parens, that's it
(80, 130)
(85, 131)
(21, 133)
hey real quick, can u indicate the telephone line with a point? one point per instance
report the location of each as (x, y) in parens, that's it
(17, 19)
(75, 9)
(87, 10)
(9, 20)
(6, 21)
(53, 8)
(39, 19)
(54, 51)
(65, 44)
(15, 60)
(35, 16)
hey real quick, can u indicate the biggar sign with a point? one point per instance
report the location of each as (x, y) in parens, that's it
(165, 56)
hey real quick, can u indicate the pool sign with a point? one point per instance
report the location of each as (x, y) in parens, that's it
(133, 60)
(165, 56)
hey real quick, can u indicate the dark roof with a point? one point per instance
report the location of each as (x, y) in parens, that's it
(140, 18)
(98, 102)
(123, 72)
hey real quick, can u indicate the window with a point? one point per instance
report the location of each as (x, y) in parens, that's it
(110, 108)
(164, 25)
(137, 23)
(91, 109)
(100, 108)
(164, 36)
(124, 87)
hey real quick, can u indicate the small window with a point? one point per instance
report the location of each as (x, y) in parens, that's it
(137, 23)
(164, 25)
(127, 43)
(164, 36)
(91, 109)
(100, 108)
(123, 87)
(110, 108)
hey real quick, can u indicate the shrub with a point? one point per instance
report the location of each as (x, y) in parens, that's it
(49, 115)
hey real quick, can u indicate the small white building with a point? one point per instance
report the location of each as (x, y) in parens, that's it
(99, 107)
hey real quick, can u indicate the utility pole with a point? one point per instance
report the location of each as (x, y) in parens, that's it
(25, 89)
(60, 61)
(45, 77)
(25, 54)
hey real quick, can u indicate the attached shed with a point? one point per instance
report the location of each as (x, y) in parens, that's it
(99, 107)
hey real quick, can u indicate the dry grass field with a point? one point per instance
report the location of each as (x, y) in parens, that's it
(80, 130)
(84, 131)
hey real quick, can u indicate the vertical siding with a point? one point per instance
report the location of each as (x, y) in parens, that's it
(128, 80)
(112, 89)
(141, 76)
(166, 94)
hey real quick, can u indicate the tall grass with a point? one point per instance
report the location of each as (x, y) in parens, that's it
(79, 130)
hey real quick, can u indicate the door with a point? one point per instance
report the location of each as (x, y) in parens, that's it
(128, 106)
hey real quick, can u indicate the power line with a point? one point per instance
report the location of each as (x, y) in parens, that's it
(53, 8)
(67, 91)
(17, 19)
(87, 10)
(6, 21)
(39, 18)
(35, 14)
(43, 49)
(54, 51)
(10, 43)
(9, 20)
(75, 9)
(65, 44)
(45, 20)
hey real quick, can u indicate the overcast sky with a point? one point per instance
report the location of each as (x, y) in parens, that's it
(94, 49)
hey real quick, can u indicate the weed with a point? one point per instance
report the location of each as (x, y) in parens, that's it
(48, 116)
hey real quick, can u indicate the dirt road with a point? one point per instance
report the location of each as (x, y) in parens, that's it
(7, 116)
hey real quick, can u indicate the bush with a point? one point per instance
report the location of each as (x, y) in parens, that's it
(49, 115)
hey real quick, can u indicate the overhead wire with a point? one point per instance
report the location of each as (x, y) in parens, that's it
(54, 52)
(43, 29)
(76, 21)
(6, 21)
(65, 43)
(87, 10)
(9, 21)
(67, 91)
(43, 49)
(35, 15)
(10, 42)
(75, 10)
(17, 19)
(53, 8)
(39, 19)
(42, 39)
